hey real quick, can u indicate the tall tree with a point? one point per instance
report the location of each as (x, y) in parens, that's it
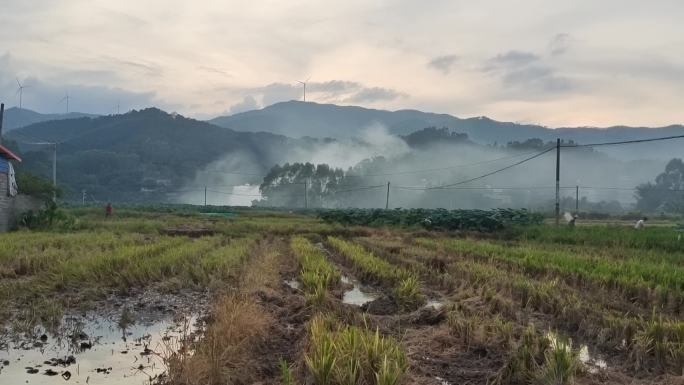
(666, 194)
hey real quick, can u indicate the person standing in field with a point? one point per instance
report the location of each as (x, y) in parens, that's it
(108, 210)
(641, 223)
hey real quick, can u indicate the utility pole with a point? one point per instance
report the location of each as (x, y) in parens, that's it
(205, 196)
(558, 141)
(387, 200)
(576, 199)
(54, 172)
(306, 199)
(2, 113)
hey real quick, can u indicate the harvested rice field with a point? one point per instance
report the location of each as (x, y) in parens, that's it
(251, 296)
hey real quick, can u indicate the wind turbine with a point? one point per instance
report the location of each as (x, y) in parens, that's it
(303, 83)
(20, 91)
(67, 97)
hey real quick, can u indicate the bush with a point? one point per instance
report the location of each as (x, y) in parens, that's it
(46, 218)
(36, 186)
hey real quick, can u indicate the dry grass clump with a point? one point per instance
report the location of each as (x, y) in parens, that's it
(659, 343)
(226, 352)
(540, 359)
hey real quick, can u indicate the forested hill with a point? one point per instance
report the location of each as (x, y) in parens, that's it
(121, 155)
(296, 119)
(21, 117)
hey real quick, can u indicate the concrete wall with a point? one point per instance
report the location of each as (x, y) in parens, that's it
(12, 208)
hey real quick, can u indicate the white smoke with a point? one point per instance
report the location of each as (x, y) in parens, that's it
(375, 141)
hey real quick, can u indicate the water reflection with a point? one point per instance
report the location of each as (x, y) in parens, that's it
(96, 350)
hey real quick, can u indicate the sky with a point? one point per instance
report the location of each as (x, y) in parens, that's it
(571, 63)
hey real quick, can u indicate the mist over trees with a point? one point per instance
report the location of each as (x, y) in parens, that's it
(153, 156)
(666, 194)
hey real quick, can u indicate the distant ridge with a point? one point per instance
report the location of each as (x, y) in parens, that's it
(21, 117)
(296, 119)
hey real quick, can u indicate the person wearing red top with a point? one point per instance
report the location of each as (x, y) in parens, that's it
(108, 210)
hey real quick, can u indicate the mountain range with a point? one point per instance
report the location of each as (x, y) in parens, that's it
(155, 152)
(20, 117)
(297, 119)
(121, 155)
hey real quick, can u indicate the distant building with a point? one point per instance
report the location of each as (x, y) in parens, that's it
(8, 188)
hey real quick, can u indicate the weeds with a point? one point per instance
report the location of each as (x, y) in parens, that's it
(286, 377)
(317, 274)
(561, 363)
(408, 293)
(345, 355)
(375, 269)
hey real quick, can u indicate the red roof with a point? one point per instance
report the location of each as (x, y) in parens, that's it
(5, 152)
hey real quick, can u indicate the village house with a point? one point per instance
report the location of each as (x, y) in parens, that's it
(10, 203)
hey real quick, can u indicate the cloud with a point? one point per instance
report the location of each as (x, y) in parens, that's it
(179, 53)
(443, 63)
(213, 70)
(143, 68)
(278, 92)
(559, 44)
(369, 95)
(537, 78)
(45, 95)
(526, 75)
(334, 86)
(247, 104)
(333, 91)
(515, 58)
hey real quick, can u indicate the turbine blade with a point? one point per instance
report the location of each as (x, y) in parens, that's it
(17, 79)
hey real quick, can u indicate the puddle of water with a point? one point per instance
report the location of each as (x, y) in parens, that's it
(99, 353)
(587, 359)
(293, 283)
(356, 296)
(435, 304)
(592, 362)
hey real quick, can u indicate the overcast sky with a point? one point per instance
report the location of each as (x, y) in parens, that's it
(571, 63)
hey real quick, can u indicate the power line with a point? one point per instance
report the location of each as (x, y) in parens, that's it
(464, 165)
(359, 188)
(233, 173)
(623, 142)
(236, 194)
(418, 188)
(481, 176)
(630, 188)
